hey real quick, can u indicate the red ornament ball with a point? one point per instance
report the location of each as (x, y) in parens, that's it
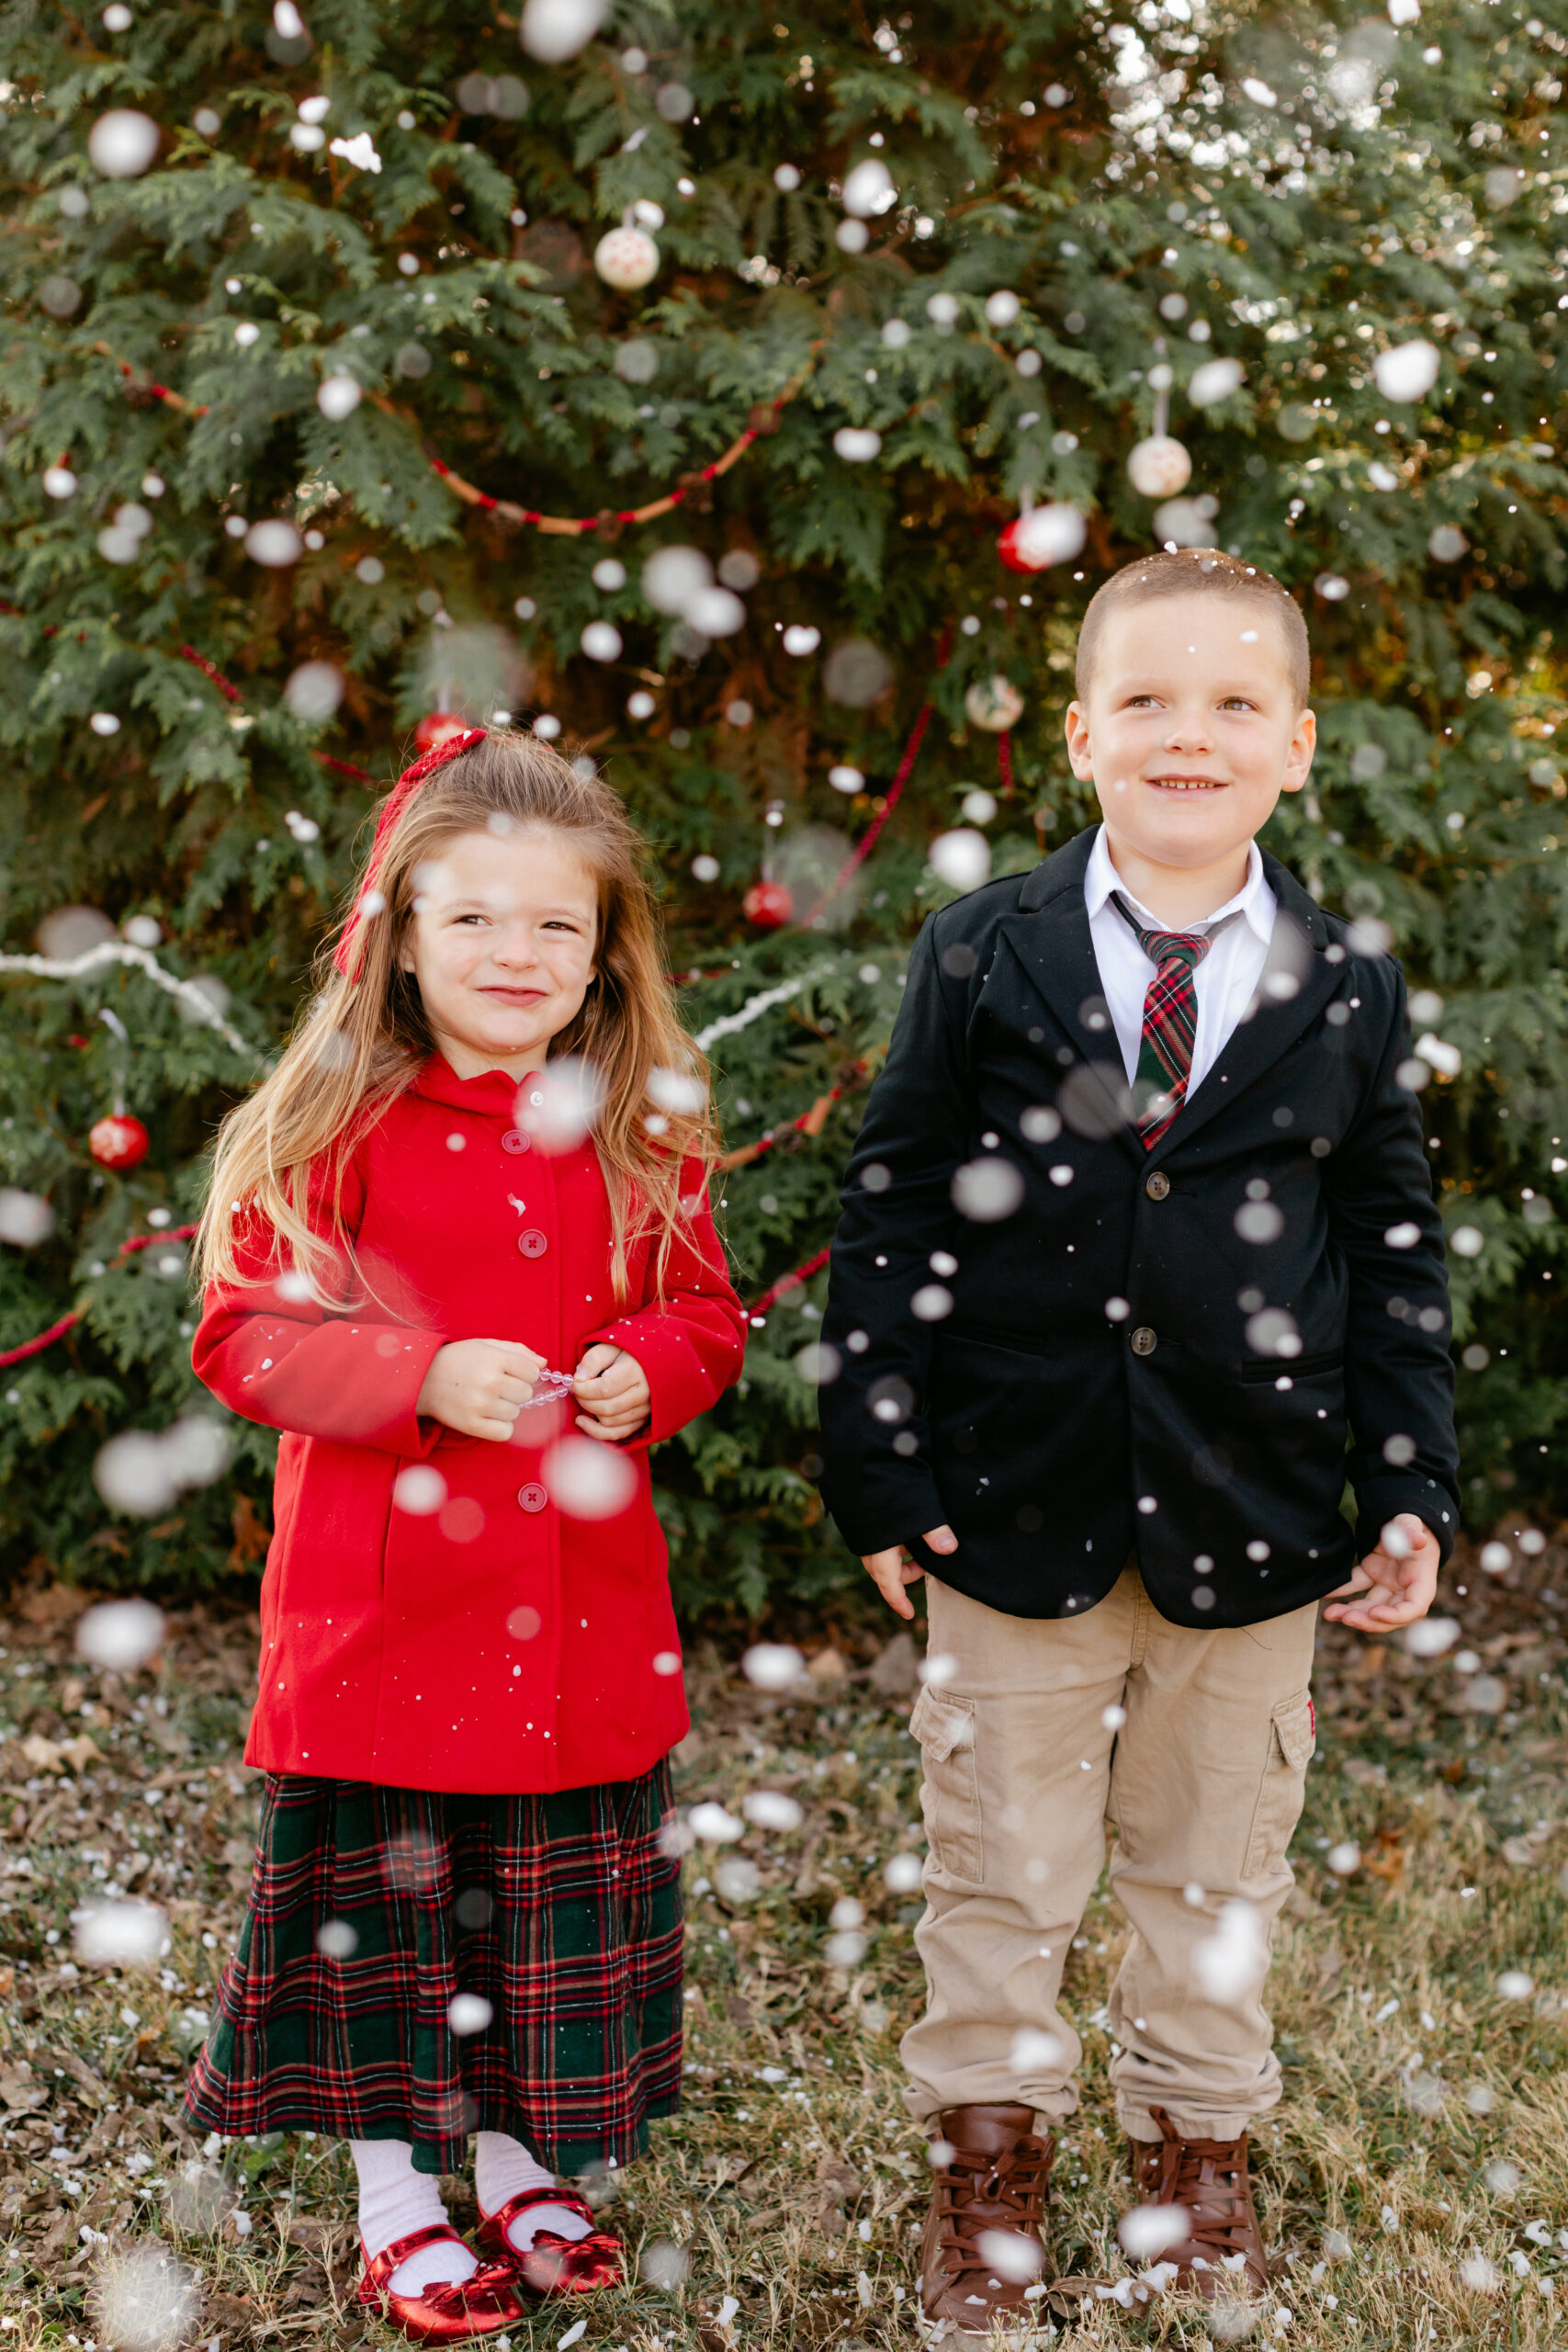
(438, 727)
(118, 1141)
(768, 904)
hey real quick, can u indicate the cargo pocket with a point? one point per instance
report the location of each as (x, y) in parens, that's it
(1291, 1737)
(950, 1791)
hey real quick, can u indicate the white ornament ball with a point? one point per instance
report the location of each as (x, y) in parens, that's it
(1159, 467)
(994, 705)
(626, 259)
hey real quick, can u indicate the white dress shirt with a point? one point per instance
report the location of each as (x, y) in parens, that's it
(1226, 979)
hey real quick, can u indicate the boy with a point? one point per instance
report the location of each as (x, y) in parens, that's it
(1139, 1219)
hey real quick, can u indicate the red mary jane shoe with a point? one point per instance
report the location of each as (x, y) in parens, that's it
(446, 2311)
(554, 2265)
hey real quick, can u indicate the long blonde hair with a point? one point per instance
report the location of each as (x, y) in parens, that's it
(281, 1155)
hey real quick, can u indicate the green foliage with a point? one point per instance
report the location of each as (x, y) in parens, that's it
(1302, 190)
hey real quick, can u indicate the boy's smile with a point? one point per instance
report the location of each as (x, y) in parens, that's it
(1190, 732)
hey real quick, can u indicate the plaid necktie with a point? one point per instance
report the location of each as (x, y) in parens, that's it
(1170, 1019)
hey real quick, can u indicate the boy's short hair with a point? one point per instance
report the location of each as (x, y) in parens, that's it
(1195, 571)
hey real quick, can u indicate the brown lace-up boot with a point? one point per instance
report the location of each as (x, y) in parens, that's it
(982, 2248)
(1222, 2251)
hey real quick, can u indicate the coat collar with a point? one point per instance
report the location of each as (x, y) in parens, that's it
(1050, 934)
(489, 1095)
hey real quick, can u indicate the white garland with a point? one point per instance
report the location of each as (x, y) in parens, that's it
(754, 1008)
(192, 999)
(195, 999)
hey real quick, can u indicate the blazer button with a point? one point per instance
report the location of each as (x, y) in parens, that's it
(532, 1242)
(532, 1496)
(1158, 1186)
(515, 1141)
(1145, 1341)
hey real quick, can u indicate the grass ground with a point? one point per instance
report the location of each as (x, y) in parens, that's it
(1413, 2186)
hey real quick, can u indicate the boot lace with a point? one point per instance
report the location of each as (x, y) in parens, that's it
(1208, 2179)
(975, 2193)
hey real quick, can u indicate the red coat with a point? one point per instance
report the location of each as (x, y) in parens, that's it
(400, 1647)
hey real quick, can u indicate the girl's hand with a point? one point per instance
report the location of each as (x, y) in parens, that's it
(479, 1386)
(611, 1387)
(1395, 1584)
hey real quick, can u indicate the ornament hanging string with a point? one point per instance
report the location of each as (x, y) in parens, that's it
(68, 1322)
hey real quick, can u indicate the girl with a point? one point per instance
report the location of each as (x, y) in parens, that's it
(464, 1916)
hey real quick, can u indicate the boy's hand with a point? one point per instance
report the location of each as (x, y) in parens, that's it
(479, 1386)
(890, 1571)
(1393, 1584)
(611, 1387)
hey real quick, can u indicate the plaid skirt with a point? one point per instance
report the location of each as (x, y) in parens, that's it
(416, 1966)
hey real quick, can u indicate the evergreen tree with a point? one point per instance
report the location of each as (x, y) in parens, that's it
(312, 349)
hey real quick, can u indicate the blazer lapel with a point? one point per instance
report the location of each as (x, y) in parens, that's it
(1297, 981)
(1052, 941)
(1050, 936)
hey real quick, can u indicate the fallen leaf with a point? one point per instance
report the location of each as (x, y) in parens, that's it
(18, 2089)
(56, 1604)
(835, 2181)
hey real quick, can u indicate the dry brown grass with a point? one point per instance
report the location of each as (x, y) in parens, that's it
(798, 2200)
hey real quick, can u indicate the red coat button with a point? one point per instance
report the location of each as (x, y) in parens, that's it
(532, 1242)
(514, 1140)
(532, 1496)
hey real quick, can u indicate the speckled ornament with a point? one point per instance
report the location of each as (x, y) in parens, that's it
(626, 259)
(994, 703)
(118, 1141)
(1159, 467)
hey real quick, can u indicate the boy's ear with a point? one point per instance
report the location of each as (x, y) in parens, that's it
(1298, 759)
(1075, 727)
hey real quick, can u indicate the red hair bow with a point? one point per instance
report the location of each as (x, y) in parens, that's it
(392, 808)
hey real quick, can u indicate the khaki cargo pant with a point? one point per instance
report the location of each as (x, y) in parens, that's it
(1203, 1783)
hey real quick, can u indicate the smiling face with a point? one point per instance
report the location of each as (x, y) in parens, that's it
(1190, 732)
(501, 944)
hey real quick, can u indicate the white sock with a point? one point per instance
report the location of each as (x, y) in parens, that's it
(503, 2168)
(394, 2201)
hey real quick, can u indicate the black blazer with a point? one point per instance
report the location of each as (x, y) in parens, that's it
(1134, 1358)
